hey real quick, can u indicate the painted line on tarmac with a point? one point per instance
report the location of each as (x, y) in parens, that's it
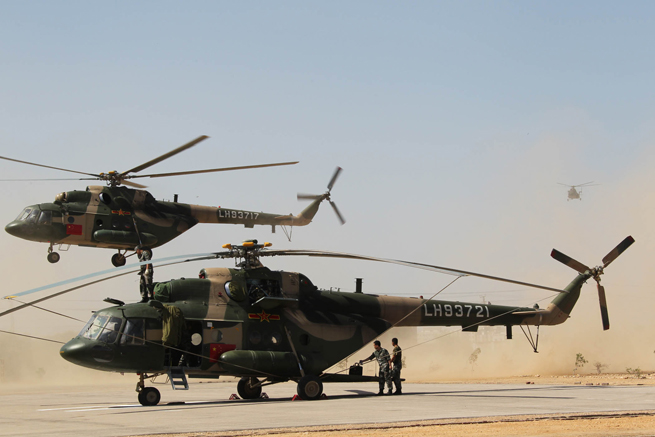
(110, 407)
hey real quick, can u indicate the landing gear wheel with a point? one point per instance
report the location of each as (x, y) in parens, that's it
(149, 397)
(53, 257)
(310, 388)
(118, 260)
(248, 388)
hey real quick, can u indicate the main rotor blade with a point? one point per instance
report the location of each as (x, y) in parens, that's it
(159, 263)
(212, 170)
(301, 196)
(567, 260)
(133, 184)
(166, 155)
(336, 210)
(603, 307)
(582, 185)
(40, 180)
(566, 185)
(112, 270)
(49, 166)
(429, 267)
(334, 178)
(618, 250)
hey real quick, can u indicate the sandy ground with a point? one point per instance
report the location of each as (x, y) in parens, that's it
(634, 423)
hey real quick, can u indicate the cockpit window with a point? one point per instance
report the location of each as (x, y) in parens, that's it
(33, 216)
(260, 288)
(24, 214)
(88, 325)
(110, 333)
(45, 218)
(134, 332)
(95, 327)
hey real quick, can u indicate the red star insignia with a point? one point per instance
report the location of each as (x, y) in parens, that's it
(264, 317)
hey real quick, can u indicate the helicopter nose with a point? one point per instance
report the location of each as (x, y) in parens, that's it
(88, 354)
(14, 229)
(74, 351)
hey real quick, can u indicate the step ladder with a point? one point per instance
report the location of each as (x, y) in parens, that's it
(178, 378)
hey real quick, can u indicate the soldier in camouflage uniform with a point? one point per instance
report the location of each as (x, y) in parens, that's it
(396, 365)
(382, 356)
(146, 273)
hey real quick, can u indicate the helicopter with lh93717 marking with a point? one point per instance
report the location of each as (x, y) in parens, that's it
(118, 217)
(267, 327)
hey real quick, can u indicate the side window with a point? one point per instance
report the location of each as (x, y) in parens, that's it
(260, 288)
(45, 218)
(134, 332)
(110, 333)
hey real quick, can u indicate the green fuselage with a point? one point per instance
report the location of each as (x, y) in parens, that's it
(247, 321)
(121, 218)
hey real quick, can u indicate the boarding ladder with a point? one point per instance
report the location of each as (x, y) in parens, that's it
(178, 378)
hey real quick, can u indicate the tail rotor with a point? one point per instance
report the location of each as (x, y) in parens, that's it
(596, 272)
(326, 195)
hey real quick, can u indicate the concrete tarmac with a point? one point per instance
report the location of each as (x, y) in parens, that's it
(115, 411)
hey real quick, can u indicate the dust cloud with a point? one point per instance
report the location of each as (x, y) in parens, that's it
(29, 363)
(585, 230)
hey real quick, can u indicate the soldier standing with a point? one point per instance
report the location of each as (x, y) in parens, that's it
(382, 356)
(396, 365)
(146, 273)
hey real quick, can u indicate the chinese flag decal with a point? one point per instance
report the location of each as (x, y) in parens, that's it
(73, 229)
(218, 349)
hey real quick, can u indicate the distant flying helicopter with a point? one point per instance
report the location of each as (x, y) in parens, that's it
(117, 217)
(268, 327)
(575, 194)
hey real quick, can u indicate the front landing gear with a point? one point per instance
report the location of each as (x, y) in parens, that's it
(148, 396)
(249, 388)
(310, 388)
(53, 257)
(118, 259)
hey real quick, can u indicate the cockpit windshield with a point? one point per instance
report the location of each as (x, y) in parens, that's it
(103, 328)
(94, 327)
(33, 216)
(23, 214)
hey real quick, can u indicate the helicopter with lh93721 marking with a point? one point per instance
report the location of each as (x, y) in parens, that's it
(118, 217)
(268, 327)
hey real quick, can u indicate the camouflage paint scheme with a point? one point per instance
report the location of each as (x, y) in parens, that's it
(106, 217)
(248, 333)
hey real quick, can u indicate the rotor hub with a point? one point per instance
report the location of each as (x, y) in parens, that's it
(246, 254)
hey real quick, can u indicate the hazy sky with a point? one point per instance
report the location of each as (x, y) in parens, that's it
(453, 122)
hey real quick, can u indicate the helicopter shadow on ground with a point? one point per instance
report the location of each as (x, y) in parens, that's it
(355, 394)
